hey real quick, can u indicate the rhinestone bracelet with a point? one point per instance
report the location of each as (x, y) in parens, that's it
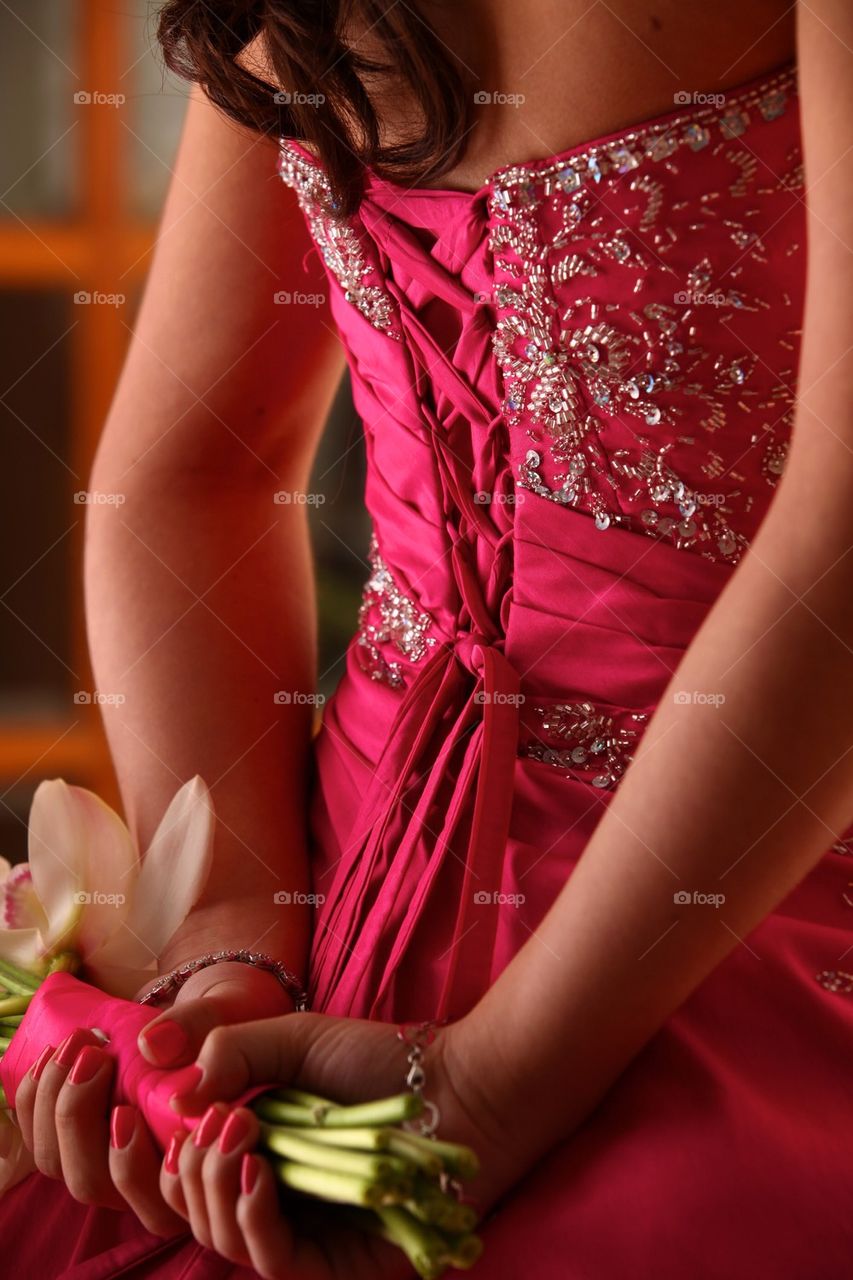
(173, 981)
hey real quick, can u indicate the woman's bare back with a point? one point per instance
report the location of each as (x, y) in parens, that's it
(549, 75)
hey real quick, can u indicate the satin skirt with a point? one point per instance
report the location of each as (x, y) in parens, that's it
(724, 1149)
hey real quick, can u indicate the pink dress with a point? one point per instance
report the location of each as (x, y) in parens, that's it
(576, 386)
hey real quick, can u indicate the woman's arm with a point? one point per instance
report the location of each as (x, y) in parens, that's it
(741, 798)
(199, 590)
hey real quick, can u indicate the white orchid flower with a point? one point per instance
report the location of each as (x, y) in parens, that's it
(86, 889)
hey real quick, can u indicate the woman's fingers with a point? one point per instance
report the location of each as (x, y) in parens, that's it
(220, 1176)
(190, 1160)
(134, 1165)
(235, 1057)
(25, 1094)
(82, 1106)
(53, 1075)
(269, 1239)
(170, 1175)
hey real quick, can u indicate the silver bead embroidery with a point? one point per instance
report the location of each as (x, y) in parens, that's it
(835, 980)
(566, 380)
(388, 616)
(338, 240)
(584, 739)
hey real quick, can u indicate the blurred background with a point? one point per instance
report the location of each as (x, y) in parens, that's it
(82, 180)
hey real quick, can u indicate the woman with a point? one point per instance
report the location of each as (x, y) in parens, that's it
(605, 617)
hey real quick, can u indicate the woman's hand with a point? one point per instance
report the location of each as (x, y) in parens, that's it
(63, 1105)
(229, 1196)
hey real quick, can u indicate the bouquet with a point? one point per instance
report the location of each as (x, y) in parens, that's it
(368, 1158)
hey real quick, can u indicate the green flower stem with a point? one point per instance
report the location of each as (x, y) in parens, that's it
(64, 962)
(419, 1153)
(283, 1113)
(13, 1020)
(454, 1157)
(325, 1184)
(432, 1205)
(384, 1111)
(364, 1139)
(18, 980)
(464, 1251)
(5, 1041)
(360, 1164)
(425, 1248)
(14, 1004)
(301, 1098)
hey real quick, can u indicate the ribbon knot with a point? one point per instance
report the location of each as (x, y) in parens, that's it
(469, 646)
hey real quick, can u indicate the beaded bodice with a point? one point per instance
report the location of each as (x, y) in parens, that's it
(644, 295)
(612, 331)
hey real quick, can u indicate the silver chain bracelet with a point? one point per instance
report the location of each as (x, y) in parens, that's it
(417, 1037)
(172, 982)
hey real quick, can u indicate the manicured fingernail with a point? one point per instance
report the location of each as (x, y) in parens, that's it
(86, 1065)
(208, 1127)
(67, 1052)
(173, 1151)
(249, 1171)
(233, 1134)
(190, 1078)
(166, 1041)
(122, 1126)
(41, 1061)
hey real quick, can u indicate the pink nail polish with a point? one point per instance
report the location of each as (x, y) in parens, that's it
(86, 1066)
(188, 1079)
(70, 1047)
(41, 1061)
(249, 1171)
(233, 1134)
(173, 1152)
(122, 1127)
(208, 1127)
(166, 1041)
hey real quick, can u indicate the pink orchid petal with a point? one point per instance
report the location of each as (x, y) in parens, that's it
(19, 906)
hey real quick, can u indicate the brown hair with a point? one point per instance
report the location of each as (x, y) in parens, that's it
(324, 101)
